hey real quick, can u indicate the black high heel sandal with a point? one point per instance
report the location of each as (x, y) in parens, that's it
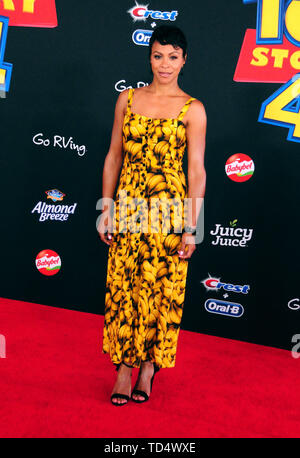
(142, 393)
(120, 395)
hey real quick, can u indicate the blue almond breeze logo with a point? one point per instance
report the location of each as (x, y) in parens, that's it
(54, 212)
(141, 37)
(224, 307)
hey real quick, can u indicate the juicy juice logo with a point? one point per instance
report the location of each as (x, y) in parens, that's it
(231, 235)
(28, 13)
(270, 54)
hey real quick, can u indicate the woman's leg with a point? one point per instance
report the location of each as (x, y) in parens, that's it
(123, 382)
(143, 382)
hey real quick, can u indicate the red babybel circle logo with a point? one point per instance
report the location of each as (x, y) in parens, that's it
(48, 262)
(239, 167)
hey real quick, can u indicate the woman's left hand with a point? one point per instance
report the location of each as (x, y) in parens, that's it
(187, 246)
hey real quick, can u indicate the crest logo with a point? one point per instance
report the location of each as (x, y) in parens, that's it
(141, 13)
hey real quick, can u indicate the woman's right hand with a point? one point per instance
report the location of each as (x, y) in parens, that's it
(105, 228)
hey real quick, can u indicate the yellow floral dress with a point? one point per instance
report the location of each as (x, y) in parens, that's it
(145, 285)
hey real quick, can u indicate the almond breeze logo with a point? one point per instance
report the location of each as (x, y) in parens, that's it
(141, 13)
(54, 212)
(224, 308)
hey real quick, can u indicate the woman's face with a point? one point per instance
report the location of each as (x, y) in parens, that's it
(166, 62)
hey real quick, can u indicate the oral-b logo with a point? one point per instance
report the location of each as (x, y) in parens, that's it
(141, 37)
(224, 307)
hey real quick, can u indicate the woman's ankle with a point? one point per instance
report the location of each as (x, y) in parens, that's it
(124, 369)
(127, 365)
(147, 366)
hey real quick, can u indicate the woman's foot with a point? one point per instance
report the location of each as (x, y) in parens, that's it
(122, 385)
(143, 382)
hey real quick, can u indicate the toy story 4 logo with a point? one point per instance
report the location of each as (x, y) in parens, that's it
(271, 54)
(26, 13)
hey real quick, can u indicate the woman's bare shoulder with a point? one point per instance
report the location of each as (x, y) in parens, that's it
(122, 100)
(123, 95)
(197, 107)
(196, 113)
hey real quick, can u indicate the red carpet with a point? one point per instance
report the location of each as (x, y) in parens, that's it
(55, 382)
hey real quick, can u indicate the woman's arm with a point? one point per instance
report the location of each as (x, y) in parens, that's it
(111, 169)
(114, 158)
(196, 135)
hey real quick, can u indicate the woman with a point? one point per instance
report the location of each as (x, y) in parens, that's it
(146, 272)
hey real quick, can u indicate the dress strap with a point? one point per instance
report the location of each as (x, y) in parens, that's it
(130, 96)
(185, 108)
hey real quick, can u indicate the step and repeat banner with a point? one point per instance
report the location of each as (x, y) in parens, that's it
(63, 65)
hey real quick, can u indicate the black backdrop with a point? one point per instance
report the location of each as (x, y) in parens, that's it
(64, 83)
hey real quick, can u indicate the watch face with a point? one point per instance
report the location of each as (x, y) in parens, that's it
(190, 229)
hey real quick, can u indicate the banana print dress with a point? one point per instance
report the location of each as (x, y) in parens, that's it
(145, 285)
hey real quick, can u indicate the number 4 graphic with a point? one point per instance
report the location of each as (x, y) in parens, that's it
(283, 108)
(5, 67)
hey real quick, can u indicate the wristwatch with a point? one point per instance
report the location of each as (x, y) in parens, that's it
(189, 229)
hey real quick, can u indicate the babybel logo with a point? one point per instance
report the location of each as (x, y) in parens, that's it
(239, 167)
(48, 262)
(141, 13)
(224, 307)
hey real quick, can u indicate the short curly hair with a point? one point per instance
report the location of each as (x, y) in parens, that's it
(169, 35)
